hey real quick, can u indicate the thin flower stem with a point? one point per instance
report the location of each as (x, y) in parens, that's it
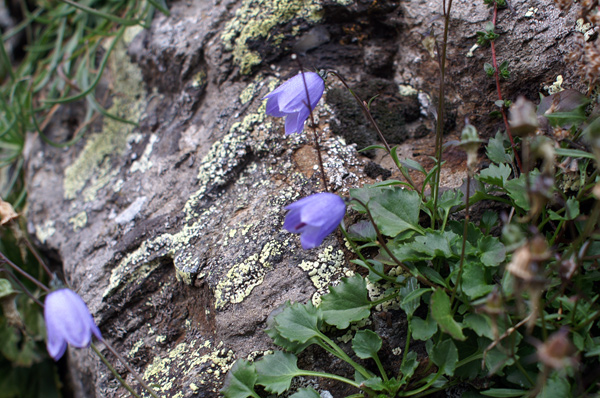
(384, 299)
(381, 241)
(364, 260)
(464, 242)
(440, 112)
(114, 371)
(330, 376)
(313, 125)
(343, 356)
(407, 343)
(37, 256)
(497, 76)
(22, 286)
(367, 113)
(380, 367)
(129, 368)
(14, 266)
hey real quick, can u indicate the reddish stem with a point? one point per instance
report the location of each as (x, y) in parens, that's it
(503, 108)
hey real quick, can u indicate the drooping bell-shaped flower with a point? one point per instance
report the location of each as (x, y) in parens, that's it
(68, 321)
(314, 217)
(290, 100)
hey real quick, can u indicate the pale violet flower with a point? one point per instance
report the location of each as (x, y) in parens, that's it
(314, 217)
(68, 321)
(289, 100)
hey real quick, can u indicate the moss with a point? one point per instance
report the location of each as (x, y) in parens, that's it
(94, 169)
(255, 19)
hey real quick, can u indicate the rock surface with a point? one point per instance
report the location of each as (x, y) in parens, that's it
(172, 231)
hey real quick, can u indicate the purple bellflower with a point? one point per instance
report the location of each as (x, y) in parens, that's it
(314, 217)
(68, 320)
(289, 100)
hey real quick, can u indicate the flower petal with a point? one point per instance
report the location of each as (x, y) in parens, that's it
(294, 123)
(272, 108)
(68, 320)
(315, 217)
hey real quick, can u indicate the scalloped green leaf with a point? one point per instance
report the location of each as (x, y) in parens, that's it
(240, 380)
(442, 313)
(275, 372)
(306, 393)
(299, 322)
(366, 344)
(445, 356)
(347, 302)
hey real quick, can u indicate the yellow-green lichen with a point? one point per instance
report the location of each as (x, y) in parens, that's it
(243, 277)
(222, 157)
(377, 291)
(78, 221)
(255, 19)
(184, 359)
(199, 79)
(45, 231)
(138, 264)
(328, 266)
(93, 169)
(136, 347)
(247, 94)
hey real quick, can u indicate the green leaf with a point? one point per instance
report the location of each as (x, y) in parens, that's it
(571, 211)
(504, 392)
(299, 322)
(496, 151)
(273, 333)
(394, 210)
(556, 387)
(517, 189)
(489, 69)
(474, 281)
(567, 118)
(480, 324)
(409, 365)
(573, 153)
(445, 356)
(492, 252)
(374, 383)
(240, 380)
(449, 199)
(414, 165)
(423, 329)
(434, 244)
(306, 393)
(275, 372)
(362, 231)
(442, 313)
(6, 288)
(495, 175)
(411, 296)
(347, 302)
(366, 344)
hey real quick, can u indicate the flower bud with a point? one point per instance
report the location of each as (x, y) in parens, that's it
(523, 119)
